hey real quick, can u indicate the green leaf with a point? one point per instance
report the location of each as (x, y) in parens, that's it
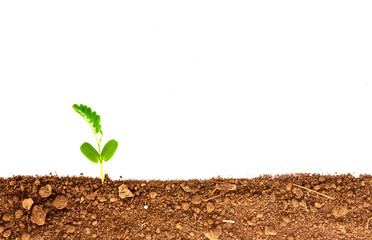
(88, 112)
(98, 129)
(84, 108)
(79, 113)
(92, 117)
(96, 122)
(90, 152)
(109, 150)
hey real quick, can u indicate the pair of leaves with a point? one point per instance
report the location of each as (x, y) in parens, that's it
(107, 152)
(92, 117)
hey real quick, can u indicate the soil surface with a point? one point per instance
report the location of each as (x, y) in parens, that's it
(297, 206)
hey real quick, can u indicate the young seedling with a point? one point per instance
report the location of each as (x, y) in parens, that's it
(93, 119)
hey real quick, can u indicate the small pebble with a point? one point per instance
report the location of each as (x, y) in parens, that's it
(27, 203)
(45, 191)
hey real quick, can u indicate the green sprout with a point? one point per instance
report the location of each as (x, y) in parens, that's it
(93, 119)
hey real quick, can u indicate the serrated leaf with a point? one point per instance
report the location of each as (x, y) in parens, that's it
(109, 150)
(90, 152)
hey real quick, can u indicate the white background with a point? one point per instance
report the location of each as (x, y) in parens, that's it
(189, 89)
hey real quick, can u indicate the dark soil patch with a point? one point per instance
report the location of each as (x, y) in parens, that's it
(279, 207)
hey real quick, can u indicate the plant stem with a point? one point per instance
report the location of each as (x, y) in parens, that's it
(102, 177)
(100, 158)
(99, 149)
(99, 143)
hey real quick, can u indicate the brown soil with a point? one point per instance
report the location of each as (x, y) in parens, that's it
(280, 207)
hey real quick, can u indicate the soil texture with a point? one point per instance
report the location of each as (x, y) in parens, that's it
(296, 206)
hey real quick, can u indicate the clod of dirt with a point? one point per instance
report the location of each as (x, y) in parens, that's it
(197, 210)
(196, 200)
(288, 187)
(38, 215)
(286, 219)
(190, 188)
(12, 183)
(298, 193)
(153, 194)
(60, 202)
(101, 199)
(213, 234)
(317, 205)
(148, 236)
(27, 203)
(295, 203)
(87, 231)
(179, 225)
(45, 191)
(18, 213)
(70, 229)
(124, 192)
(225, 186)
(210, 207)
(340, 211)
(270, 231)
(91, 196)
(7, 233)
(37, 237)
(26, 236)
(7, 217)
(185, 206)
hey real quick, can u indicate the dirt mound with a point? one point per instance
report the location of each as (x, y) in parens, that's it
(300, 206)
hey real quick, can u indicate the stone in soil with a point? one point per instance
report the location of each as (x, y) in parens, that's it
(60, 202)
(27, 203)
(38, 215)
(210, 207)
(213, 234)
(124, 192)
(196, 200)
(340, 211)
(270, 231)
(26, 236)
(7, 217)
(225, 186)
(153, 194)
(18, 214)
(45, 191)
(7, 233)
(70, 229)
